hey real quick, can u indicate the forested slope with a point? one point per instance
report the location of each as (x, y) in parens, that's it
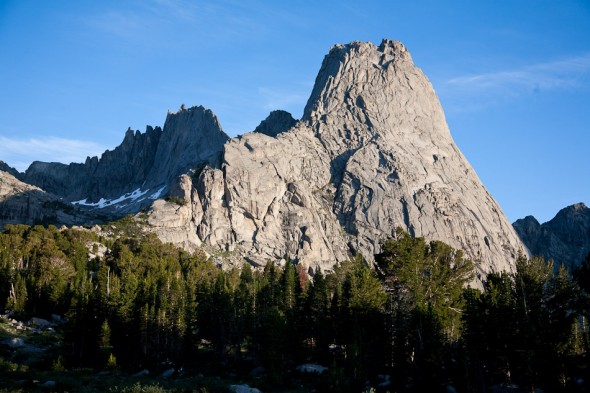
(408, 323)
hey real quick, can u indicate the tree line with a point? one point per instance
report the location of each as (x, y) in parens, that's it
(410, 316)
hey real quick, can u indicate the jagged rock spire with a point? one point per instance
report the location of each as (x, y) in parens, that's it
(371, 153)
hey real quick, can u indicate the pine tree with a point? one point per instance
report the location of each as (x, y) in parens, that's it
(316, 310)
(522, 328)
(363, 302)
(288, 287)
(425, 281)
(104, 344)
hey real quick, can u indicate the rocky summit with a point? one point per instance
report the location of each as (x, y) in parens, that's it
(140, 168)
(372, 152)
(565, 238)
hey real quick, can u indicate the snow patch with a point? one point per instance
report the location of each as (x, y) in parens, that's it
(102, 203)
(157, 194)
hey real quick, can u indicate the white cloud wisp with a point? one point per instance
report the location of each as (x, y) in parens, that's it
(562, 74)
(19, 153)
(476, 92)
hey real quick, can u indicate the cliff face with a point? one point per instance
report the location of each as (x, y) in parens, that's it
(371, 153)
(140, 169)
(192, 138)
(111, 175)
(15, 201)
(22, 203)
(4, 167)
(565, 238)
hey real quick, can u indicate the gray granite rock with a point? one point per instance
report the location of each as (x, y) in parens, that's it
(144, 163)
(192, 137)
(277, 121)
(22, 203)
(371, 153)
(4, 167)
(565, 238)
(116, 172)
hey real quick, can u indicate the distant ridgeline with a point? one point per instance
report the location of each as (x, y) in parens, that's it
(565, 239)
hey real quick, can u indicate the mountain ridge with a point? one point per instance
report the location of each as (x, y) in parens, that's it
(565, 238)
(353, 184)
(372, 152)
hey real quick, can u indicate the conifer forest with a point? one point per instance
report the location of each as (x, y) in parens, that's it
(409, 322)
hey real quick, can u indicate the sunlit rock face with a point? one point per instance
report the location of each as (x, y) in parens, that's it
(372, 152)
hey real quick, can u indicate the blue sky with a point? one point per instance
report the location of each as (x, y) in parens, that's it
(513, 76)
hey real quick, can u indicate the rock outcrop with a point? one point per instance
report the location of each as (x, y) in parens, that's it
(22, 203)
(565, 238)
(193, 138)
(276, 122)
(372, 152)
(4, 167)
(137, 171)
(116, 172)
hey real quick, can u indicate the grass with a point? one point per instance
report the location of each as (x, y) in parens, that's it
(176, 199)
(89, 381)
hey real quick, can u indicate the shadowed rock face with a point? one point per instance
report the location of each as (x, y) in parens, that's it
(15, 201)
(22, 203)
(565, 239)
(4, 167)
(277, 122)
(371, 153)
(192, 137)
(145, 162)
(118, 170)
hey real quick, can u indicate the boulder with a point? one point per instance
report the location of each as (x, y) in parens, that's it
(243, 389)
(312, 368)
